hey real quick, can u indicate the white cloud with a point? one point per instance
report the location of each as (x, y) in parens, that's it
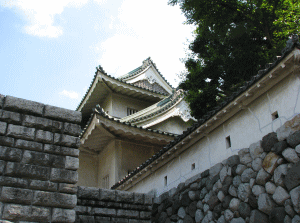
(40, 14)
(70, 94)
(143, 29)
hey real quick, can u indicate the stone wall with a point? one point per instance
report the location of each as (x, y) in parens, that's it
(259, 185)
(105, 206)
(38, 161)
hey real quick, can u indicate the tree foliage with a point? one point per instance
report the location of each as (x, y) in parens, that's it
(233, 39)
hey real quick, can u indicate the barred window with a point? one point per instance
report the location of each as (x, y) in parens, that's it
(131, 111)
(105, 182)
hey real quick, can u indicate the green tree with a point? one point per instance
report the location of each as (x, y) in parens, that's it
(233, 40)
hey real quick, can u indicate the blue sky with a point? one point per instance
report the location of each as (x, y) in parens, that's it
(49, 49)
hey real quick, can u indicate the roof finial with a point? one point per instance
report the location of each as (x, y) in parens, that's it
(100, 69)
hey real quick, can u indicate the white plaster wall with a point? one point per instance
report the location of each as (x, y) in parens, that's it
(121, 103)
(132, 155)
(88, 171)
(175, 125)
(107, 104)
(246, 127)
(107, 164)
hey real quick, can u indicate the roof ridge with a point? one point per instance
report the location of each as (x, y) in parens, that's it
(170, 101)
(99, 110)
(290, 45)
(147, 62)
(99, 68)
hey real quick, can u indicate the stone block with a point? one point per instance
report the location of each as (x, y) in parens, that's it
(63, 215)
(270, 188)
(124, 197)
(256, 149)
(233, 160)
(107, 195)
(11, 117)
(292, 179)
(16, 195)
(265, 203)
(37, 122)
(269, 141)
(61, 150)
(40, 214)
(72, 163)
(262, 177)
(102, 219)
(247, 175)
(10, 154)
(288, 128)
(30, 145)
(279, 174)
(21, 132)
(127, 213)
(26, 106)
(67, 188)
(277, 215)
(294, 139)
(280, 195)
(145, 215)
(245, 156)
(3, 126)
(138, 198)
(234, 204)
(16, 212)
(244, 192)
(26, 170)
(119, 220)
(33, 157)
(104, 212)
(148, 199)
(63, 176)
(279, 147)
(54, 199)
(257, 190)
(44, 136)
(72, 129)
(62, 114)
(65, 140)
(257, 164)
(42, 185)
(13, 182)
(57, 126)
(2, 166)
(2, 97)
(270, 162)
(6, 141)
(290, 155)
(92, 193)
(240, 169)
(295, 197)
(215, 170)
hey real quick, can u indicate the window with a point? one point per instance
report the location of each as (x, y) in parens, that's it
(275, 116)
(105, 182)
(228, 142)
(131, 111)
(193, 166)
(166, 181)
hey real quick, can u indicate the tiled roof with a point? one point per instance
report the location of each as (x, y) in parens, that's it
(146, 63)
(160, 106)
(291, 44)
(100, 111)
(117, 79)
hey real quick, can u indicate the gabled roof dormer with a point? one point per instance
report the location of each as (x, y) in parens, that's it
(148, 76)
